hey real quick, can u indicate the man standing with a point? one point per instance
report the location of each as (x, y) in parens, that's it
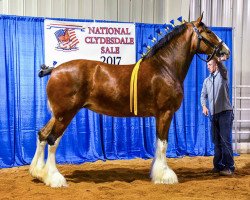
(215, 91)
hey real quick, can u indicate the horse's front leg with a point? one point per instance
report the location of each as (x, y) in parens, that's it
(161, 172)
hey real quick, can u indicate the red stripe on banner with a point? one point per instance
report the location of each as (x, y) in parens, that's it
(73, 38)
(74, 43)
(72, 32)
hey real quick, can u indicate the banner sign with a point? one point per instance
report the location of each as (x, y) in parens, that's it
(113, 43)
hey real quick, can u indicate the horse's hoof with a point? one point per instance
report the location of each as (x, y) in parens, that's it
(36, 171)
(168, 177)
(56, 180)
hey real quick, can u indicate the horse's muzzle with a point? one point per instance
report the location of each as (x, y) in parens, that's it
(222, 51)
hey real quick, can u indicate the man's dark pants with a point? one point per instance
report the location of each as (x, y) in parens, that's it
(222, 138)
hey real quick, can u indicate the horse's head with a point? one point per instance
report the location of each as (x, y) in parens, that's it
(207, 42)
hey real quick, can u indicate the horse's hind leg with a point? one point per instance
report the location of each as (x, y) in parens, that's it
(161, 172)
(45, 131)
(65, 100)
(38, 163)
(51, 176)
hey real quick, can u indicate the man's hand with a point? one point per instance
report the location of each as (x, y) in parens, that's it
(205, 110)
(223, 58)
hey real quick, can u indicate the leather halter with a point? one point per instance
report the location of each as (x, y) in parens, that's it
(216, 48)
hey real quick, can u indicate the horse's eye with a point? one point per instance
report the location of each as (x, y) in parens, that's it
(208, 31)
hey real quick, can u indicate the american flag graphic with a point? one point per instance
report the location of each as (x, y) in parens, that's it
(66, 38)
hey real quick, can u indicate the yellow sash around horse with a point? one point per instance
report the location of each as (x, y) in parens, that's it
(133, 87)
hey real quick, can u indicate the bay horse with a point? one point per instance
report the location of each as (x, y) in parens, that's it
(105, 89)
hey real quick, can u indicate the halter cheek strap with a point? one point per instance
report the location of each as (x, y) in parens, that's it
(201, 38)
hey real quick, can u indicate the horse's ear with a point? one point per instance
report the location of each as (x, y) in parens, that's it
(200, 18)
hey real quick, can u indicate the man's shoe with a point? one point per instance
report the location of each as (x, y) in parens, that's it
(226, 172)
(215, 170)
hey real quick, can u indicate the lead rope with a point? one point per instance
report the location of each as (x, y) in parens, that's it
(133, 87)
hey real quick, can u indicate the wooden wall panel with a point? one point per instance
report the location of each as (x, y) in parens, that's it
(44, 8)
(71, 9)
(124, 10)
(98, 9)
(58, 8)
(148, 9)
(136, 11)
(85, 9)
(111, 10)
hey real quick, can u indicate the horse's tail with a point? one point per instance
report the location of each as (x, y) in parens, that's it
(45, 70)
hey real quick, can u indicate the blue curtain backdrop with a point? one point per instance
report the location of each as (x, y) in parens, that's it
(90, 136)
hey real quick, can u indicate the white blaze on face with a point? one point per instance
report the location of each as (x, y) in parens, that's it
(224, 45)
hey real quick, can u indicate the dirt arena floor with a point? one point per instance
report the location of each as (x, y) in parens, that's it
(129, 179)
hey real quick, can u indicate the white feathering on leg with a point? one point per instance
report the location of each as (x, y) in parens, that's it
(38, 163)
(161, 173)
(51, 175)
